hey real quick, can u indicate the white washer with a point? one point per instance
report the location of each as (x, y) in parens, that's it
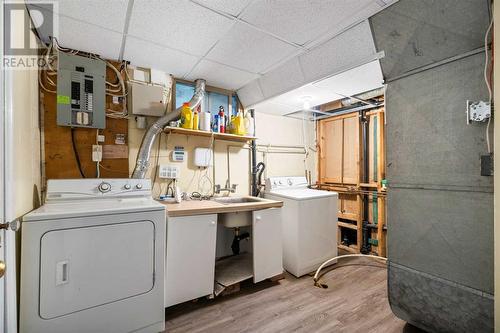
(309, 223)
(93, 259)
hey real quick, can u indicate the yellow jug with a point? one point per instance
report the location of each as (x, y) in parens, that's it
(186, 116)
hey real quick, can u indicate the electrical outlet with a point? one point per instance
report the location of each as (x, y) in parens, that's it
(478, 111)
(169, 171)
(96, 153)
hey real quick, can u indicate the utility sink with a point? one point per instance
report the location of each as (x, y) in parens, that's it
(235, 200)
(236, 219)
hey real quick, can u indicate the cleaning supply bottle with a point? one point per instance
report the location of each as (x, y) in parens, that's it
(239, 124)
(215, 124)
(249, 125)
(186, 116)
(196, 120)
(222, 124)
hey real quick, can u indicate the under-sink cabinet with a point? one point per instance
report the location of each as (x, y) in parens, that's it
(191, 253)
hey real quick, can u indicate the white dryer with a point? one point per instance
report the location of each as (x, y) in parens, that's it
(92, 259)
(309, 223)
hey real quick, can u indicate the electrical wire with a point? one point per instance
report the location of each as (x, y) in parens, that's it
(75, 151)
(98, 172)
(204, 177)
(490, 93)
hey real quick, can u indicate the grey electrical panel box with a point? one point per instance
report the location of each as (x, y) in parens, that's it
(81, 89)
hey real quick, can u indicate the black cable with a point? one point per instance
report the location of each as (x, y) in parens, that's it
(77, 157)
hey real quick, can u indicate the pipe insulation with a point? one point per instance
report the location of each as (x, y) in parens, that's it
(144, 154)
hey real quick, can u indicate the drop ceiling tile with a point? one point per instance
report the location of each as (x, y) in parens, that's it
(109, 14)
(221, 76)
(283, 78)
(89, 38)
(295, 98)
(178, 24)
(250, 93)
(146, 54)
(248, 49)
(355, 81)
(347, 50)
(232, 7)
(301, 21)
(270, 107)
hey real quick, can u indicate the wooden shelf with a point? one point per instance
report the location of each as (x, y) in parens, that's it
(347, 225)
(370, 185)
(217, 136)
(351, 248)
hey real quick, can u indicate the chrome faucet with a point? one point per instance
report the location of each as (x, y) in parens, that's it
(228, 188)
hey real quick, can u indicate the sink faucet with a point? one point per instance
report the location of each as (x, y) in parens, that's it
(228, 188)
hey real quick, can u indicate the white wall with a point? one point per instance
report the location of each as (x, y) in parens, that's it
(270, 130)
(26, 137)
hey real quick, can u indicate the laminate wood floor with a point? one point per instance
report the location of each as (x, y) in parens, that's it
(356, 301)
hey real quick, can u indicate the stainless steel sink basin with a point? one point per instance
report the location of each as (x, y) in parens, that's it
(236, 219)
(233, 200)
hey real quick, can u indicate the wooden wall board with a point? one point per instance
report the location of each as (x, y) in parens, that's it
(348, 206)
(351, 156)
(59, 158)
(331, 156)
(347, 180)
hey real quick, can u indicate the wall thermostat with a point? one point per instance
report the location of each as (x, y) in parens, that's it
(178, 154)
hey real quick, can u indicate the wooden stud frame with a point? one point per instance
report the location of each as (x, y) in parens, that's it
(357, 188)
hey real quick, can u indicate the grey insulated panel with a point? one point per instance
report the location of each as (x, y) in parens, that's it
(80, 91)
(439, 207)
(448, 307)
(418, 33)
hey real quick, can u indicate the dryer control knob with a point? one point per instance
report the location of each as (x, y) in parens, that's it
(138, 186)
(289, 181)
(104, 187)
(126, 186)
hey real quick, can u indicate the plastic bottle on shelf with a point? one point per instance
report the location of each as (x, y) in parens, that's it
(205, 121)
(240, 124)
(196, 120)
(222, 123)
(215, 125)
(249, 126)
(186, 116)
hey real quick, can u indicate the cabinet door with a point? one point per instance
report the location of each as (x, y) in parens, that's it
(267, 244)
(190, 260)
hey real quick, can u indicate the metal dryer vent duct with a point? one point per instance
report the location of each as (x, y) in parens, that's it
(144, 154)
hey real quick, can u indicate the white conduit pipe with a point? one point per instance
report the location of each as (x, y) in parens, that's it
(316, 276)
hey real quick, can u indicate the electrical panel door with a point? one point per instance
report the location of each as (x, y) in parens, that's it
(81, 91)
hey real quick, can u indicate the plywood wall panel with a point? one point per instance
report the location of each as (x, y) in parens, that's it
(332, 151)
(60, 159)
(351, 151)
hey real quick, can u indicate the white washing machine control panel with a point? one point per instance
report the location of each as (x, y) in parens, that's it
(70, 189)
(274, 183)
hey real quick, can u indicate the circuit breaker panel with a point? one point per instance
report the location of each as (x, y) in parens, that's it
(81, 91)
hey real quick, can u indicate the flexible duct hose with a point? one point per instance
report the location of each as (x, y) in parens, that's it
(144, 154)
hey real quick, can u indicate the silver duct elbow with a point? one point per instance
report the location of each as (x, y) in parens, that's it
(144, 154)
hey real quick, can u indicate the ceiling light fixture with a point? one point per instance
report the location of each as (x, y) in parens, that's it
(306, 102)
